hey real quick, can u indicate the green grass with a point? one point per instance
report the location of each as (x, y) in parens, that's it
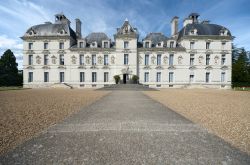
(12, 88)
(242, 88)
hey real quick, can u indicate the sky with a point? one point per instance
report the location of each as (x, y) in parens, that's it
(106, 15)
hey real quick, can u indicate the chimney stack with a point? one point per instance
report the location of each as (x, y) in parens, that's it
(174, 26)
(78, 28)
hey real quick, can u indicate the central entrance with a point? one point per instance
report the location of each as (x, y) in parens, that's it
(125, 77)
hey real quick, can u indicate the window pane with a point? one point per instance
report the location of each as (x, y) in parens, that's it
(146, 59)
(30, 78)
(61, 59)
(81, 59)
(61, 76)
(105, 59)
(93, 76)
(158, 59)
(30, 59)
(82, 77)
(171, 59)
(93, 59)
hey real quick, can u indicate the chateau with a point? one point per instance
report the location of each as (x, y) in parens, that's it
(197, 55)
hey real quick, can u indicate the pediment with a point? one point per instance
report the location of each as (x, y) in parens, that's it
(147, 67)
(192, 67)
(224, 67)
(209, 68)
(159, 67)
(61, 67)
(171, 67)
(46, 67)
(81, 67)
(29, 67)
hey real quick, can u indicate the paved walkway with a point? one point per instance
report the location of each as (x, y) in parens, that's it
(126, 127)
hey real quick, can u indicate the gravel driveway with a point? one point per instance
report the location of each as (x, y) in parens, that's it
(126, 127)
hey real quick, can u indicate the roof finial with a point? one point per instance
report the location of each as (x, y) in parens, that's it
(126, 20)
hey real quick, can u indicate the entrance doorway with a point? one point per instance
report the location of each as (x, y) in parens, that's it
(125, 76)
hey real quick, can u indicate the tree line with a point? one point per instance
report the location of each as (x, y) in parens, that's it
(9, 75)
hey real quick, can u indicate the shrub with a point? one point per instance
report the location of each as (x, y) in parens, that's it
(117, 79)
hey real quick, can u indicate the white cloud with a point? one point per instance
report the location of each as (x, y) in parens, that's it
(9, 43)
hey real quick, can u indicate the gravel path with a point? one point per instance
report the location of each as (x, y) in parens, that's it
(125, 127)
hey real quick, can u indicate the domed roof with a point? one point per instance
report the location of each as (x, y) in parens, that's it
(203, 29)
(155, 38)
(96, 37)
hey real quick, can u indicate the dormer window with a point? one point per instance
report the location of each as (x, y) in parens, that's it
(146, 44)
(159, 44)
(171, 44)
(31, 33)
(224, 32)
(207, 45)
(193, 32)
(93, 44)
(81, 44)
(105, 45)
(126, 45)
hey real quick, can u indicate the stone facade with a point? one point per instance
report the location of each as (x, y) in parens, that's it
(199, 55)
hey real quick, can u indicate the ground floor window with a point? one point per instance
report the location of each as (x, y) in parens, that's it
(207, 77)
(61, 76)
(46, 76)
(30, 77)
(94, 76)
(146, 77)
(223, 76)
(82, 77)
(171, 76)
(158, 77)
(191, 78)
(106, 76)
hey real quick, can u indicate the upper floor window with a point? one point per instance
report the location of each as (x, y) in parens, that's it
(223, 59)
(223, 45)
(61, 45)
(159, 44)
(191, 59)
(61, 59)
(30, 59)
(207, 59)
(46, 59)
(81, 59)
(81, 44)
(106, 57)
(191, 45)
(93, 59)
(171, 44)
(125, 44)
(125, 59)
(30, 46)
(146, 59)
(159, 59)
(106, 76)
(146, 44)
(207, 45)
(45, 45)
(105, 45)
(171, 59)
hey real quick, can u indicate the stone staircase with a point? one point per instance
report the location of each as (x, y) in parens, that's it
(134, 87)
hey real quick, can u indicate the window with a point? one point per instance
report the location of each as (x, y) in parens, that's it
(106, 76)
(146, 59)
(207, 77)
(146, 77)
(191, 45)
(106, 59)
(223, 59)
(126, 45)
(171, 59)
(105, 44)
(30, 59)
(61, 45)
(146, 44)
(171, 44)
(207, 45)
(191, 78)
(207, 59)
(30, 46)
(93, 76)
(93, 59)
(171, 77)
(61, 76)
(223, 45)
(82, 77)
(223, 76)
(61, 59)
(159, 59)
(30, 78)
(46, 59)
(191, 59)
(81, 59)
(125, 59)
(158, 77)
(46, 76)
(159, 44)
(81, 44)
(45, 45)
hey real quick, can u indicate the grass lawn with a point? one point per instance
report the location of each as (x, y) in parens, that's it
(12, 88)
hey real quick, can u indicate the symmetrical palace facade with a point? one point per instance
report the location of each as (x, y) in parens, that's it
(198, 55)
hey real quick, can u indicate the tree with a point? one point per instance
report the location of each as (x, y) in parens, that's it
(8, 70)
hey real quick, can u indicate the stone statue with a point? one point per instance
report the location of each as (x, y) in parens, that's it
(165, 59)
(180, 59)
(87, 59)
(200, 59)
(100, 59)
(53, 59)
(38, 59)
(73, 59)
(113, 60)
(153, 59)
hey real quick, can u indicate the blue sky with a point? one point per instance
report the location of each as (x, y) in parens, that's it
(106, 15)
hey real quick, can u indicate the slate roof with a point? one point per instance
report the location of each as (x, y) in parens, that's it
(98, 37)
(155, 38)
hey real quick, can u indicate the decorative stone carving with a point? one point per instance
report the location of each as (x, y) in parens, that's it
(180, 59)
(100, 60)
(158, 67)
(53, 59)
(73, 59)
(112, 59)
(93, 67)
(208, 68)
(38, 59)
(171, 67)
(147, 67)
(46, 67)
(81, 67)
(224, 68)
(192, 67)
(105, 67)
(153, 59)
(87, 60)
(140, 59)
(165, 59)
(200, 59)
(216, 59)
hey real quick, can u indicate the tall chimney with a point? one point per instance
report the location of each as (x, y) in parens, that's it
(78, 28)
(174, 26)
